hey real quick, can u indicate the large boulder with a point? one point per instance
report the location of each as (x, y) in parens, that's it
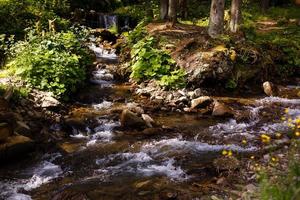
(15, 146)
(222, 110)
(131, 120)
(201, 102)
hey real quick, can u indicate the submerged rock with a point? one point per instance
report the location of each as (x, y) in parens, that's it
(131, 120)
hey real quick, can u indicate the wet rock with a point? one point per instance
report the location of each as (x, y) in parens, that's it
(70, 147)
(201, 102)
(15, 146)
(269, 89)
(75, 123)
(221, 110)
(5, 131)
(130, 119)
(148, 120)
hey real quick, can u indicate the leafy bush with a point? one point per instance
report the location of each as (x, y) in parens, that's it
(138, 33)
(151, 63)
(54, 62)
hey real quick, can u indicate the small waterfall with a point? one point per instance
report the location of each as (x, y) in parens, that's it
(108, 21)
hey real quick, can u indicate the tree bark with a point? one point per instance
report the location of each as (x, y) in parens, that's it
(164, 7)
(183, 5)
(216, 19)
(172, 13)
(235, 15)
(265, 4)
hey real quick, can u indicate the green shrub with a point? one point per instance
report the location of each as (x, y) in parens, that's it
(54, 62)
(151, 63)
(138, 33)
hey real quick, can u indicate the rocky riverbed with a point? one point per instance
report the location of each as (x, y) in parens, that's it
(120, 141)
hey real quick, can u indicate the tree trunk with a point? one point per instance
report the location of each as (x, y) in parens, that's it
(216, 19)
(172, 13)
(183, 5)
(235, 15)
(265, 4)
(164, 6)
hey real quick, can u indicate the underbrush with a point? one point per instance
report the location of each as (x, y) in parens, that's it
(54, 62)
(282, 184)
(280, 179)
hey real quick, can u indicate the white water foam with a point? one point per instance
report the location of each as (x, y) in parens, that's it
(41, 174)
(140, 163)
(100, 52)
(270, 100)
(156, 158)
(177, 144)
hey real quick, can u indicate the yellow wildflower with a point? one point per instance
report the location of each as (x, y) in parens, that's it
(224, 152)
(283, 118)
(290, 120)
(297, 133)
(244, 141)
(232, 55)
(286, 110)
(265, 138)
(229, 153)
(298, 120)
(274, 159)
(252, 157)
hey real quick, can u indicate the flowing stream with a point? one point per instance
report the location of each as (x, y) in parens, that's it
(103, 162)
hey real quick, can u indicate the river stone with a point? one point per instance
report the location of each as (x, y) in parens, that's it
(131, 120)
(134, 107)
(5, 131)
(269, 88)
(201, 102)
(221, 110)
(148, 120)
(49, 101)
(15, 146)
